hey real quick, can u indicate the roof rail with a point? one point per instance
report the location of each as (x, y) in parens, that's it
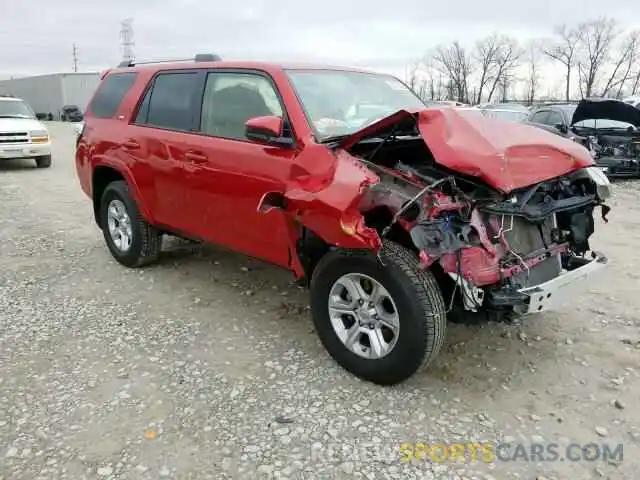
(199, 57)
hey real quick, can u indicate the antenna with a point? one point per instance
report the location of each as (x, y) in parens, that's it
(75, 58)
(126, 40)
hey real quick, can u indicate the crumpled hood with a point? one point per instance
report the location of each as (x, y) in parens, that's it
(505, 155)
(606, 109)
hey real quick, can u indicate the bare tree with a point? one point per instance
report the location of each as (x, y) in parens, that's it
(507, 61)
(636, 83)
(433, 81)
(455, 63)
(626, 59)
(411, 75)
(486, 57)
(595, 40)
(533, 73)
(563, 49)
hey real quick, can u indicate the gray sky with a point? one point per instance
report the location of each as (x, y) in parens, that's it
(37, 35)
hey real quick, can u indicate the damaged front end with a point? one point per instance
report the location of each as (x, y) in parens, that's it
(519, 253)
(494, 251)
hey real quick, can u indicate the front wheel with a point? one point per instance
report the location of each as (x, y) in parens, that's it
(381, 321)
(43, 161)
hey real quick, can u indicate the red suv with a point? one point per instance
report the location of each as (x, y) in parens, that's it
(397, 216)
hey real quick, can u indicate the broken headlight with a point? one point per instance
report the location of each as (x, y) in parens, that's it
(603, 185)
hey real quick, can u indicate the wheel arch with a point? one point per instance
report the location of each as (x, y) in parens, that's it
(312, 247)
(104, 174)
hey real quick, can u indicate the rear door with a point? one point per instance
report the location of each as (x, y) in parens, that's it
(162, 143)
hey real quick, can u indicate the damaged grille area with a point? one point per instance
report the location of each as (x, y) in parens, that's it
(487, 248)
(526, 237)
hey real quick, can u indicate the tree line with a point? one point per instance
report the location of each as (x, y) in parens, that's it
(596, 57)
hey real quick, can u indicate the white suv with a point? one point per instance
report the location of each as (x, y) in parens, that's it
(21, 134)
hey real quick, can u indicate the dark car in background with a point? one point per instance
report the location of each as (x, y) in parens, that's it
(71, 113)
(608, 128)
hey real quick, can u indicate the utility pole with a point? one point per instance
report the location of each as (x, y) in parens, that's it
(126, 39)
(75, 58)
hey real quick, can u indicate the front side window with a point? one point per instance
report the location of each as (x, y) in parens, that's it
(554, 119)
(339, 102)
(15, 109)
(170, 102)
(540, 117)
(110, 94)
(230, 99)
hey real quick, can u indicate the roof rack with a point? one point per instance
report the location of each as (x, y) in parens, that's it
(199, 57)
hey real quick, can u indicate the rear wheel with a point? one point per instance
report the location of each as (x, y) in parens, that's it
(43, 161)
(132, 241)
(381, 322)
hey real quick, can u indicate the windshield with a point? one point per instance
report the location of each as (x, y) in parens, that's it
(15, 109)
(340, 102)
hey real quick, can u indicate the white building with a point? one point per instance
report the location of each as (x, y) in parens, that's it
(49, 93)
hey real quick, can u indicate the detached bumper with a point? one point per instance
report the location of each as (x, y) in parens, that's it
(547, 295)
(24, 150)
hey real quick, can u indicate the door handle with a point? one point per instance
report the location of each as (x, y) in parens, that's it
(131, 145)
(195, 157)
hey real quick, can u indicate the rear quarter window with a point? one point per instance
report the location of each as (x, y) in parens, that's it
(110, 93)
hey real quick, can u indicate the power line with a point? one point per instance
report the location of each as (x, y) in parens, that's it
(126, 39)
(75, 58)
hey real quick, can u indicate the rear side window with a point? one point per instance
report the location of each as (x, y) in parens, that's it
(169, 103)
(110, 94)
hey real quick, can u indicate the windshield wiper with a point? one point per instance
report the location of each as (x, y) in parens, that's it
(14, 116)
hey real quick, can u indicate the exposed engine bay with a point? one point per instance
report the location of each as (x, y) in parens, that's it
(616, 153)
(609, 129)
(491, 249)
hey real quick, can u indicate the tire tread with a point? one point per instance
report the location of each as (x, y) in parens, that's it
(428, 294)
(150, 238)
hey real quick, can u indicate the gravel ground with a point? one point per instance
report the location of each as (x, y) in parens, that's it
(207, 365)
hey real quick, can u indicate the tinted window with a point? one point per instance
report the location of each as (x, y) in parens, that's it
(555, 118)
(230, 99)
(169, 103)
(110, 94)
(540, 117)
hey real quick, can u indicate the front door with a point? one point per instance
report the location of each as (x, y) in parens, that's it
(234, 174)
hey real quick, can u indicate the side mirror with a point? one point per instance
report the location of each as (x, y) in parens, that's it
(562, 128)
(267, 130)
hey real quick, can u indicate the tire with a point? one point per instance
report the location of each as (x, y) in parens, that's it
(144, 241)
(418, 302)
(44, 161)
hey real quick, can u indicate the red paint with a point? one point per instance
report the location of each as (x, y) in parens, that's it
(270, 124)
(210, 188)
(477, 265)
(505, 155)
